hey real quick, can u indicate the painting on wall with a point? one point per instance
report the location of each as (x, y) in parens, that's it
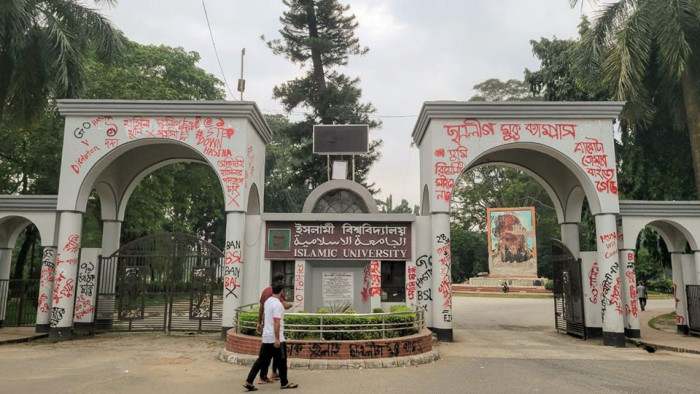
(512, 243)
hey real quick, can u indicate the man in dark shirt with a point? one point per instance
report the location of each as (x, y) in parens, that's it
(267, 293)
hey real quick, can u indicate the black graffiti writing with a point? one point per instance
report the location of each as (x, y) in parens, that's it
(425, 295)
(294, 349)
(446, 315)
(424, 261)
(442, 239)
(424, 278)
(318, 350)
(233, 245)
(56, 316)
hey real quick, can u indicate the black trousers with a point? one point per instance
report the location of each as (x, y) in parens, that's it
(268, 352)
(643, 302)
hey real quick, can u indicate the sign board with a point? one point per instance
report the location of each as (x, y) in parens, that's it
(341, 139)
(337, 288)
(338, 241)
(512, 242)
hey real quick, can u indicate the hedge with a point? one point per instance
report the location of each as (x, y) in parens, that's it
(372, 324)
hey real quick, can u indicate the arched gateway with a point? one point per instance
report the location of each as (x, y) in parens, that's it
(339, 249)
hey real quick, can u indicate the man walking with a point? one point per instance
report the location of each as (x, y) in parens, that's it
(273, 346)
(267, 293)
(642, 295)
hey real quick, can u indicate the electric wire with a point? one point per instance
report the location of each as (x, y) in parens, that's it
(206, 15)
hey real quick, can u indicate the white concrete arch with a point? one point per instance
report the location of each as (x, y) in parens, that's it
(17, 212)
(254, 201)
(340, 184)
(674, 234)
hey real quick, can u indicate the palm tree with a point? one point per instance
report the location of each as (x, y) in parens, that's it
(631, 40)
(43, 44)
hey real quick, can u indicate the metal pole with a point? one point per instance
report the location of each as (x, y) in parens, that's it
(353, 168)
(242, 55)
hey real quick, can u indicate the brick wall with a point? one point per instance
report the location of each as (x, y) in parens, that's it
(338, 350)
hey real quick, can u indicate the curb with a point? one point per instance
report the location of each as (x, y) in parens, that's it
(305, 363)
(651, 347)
(25, 339)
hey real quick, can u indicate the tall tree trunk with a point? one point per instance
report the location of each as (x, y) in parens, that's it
(6, 66)
(691, 101)
(319, 74)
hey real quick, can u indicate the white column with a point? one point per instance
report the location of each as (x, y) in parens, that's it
(570, 237)
(424, 268)
(442, 272)
(111, 236)
(679, 292)
(611, 301)
(629, 294)
(696, 254)
(410, 283)
(43, 312)
(65, 277)
(5, 263)
(299, 284)
(233, 269)
(86, 292)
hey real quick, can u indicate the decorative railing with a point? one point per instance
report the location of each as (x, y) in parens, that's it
(337, 326)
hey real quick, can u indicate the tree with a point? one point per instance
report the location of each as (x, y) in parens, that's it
(43, 46)
(387, 206)
(496, 90)
(319, 35)
(634, 40)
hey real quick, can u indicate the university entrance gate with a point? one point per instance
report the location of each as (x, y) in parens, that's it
(164, 282)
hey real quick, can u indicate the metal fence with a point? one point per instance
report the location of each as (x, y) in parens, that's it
(337, 326)
(18, 302)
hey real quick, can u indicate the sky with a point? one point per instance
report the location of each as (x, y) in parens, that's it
(420, 51)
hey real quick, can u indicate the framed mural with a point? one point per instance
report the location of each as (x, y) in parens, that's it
(512, 242)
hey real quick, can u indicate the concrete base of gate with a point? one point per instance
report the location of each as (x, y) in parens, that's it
(42, 328)
(60, 333)
(616, 339)
(305, 363)
(629, 333)
(330, 354)
(83, 329)
(594, 332)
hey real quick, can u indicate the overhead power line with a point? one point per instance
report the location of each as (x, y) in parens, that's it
(206, 15)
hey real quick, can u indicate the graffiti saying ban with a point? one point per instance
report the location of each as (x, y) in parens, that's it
(233, 265)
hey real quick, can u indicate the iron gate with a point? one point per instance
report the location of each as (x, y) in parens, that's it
(20, 303)
(568, 291)
(164, 282)
(693, 294)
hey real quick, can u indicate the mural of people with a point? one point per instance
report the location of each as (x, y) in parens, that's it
(512, 247)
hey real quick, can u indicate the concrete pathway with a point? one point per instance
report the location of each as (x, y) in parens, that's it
(662, 339)
(18, 334)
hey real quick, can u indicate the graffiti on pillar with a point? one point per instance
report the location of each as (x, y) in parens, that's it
(232, 268)
(423, 290)
(593, 282)
(47, 267)
(250, 157)
(56, 315)
(675, 295)
(86, 278)
(299, 277)
(43, 305)
(632, 308)
(594, 160)
(73, 243)
(375, 273)
(411, 284)
(445, 258)
(83, 306)
(367, 284)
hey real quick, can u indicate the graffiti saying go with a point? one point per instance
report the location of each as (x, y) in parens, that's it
(233, 265)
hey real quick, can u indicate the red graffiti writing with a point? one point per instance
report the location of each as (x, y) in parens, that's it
(83, 307)
(375, 278)
(469, 128)
(555, 131)
(680, 319)
(510, 132)
(73, 243)
(615, 296)
(44, 303)
(233, 257)
(411, 284)
(632, 308)
(299, 285)
(593, 282)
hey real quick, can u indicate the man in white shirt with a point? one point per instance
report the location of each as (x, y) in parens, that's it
(273, 346)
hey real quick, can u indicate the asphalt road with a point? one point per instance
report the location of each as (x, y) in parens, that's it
(501, 346)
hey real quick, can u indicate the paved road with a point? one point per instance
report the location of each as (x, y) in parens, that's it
(492, 353)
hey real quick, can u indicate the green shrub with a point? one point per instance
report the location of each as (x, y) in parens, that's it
(377, 310)
(549, 285)
(350, 311)
(321, 310)
(662, 286)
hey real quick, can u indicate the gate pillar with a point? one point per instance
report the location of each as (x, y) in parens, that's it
(696, 254)
(43, 311)
(111, 233)
(233, 269)
(65, 277)
(442, 276)
(570, 237)
(5, 263)
(629, 295)
(608, 261)
(679, 292)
